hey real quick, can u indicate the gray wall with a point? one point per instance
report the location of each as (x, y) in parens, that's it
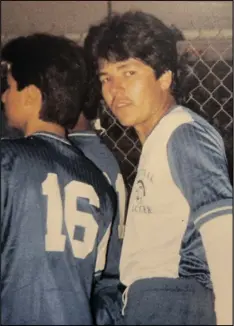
(74, 17)
(184, 14)
(58, 17)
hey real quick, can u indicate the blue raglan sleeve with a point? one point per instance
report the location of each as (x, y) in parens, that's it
(198, 166)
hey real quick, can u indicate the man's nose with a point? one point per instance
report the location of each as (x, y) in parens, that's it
(116, 85)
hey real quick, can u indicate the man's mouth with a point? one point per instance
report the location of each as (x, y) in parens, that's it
(121, 104)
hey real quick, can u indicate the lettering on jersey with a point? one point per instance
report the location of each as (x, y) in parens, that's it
(54, 239)
(140, 192)
(145, 175)
(139, 205)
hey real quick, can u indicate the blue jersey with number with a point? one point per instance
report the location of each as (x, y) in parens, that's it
(56, 214)
(95, 149)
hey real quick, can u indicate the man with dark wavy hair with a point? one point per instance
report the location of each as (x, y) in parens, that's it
(57, 208)
(176, 261)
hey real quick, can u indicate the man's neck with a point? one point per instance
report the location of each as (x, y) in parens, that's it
(83, 124)
(82, 127)
(43, 126)
(144, 129)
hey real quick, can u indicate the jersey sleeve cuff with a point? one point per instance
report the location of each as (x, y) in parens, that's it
(206, 213)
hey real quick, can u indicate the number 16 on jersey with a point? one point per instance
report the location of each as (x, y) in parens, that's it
(57, 213)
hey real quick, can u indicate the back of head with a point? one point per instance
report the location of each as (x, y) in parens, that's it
(91, 104)
(134, 34)
(56, 66)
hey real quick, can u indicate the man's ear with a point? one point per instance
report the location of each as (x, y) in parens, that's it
(166, 80)
(32, 95)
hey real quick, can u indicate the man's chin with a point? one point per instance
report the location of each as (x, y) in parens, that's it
(126, 122)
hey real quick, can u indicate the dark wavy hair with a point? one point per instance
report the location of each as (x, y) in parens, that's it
(56, 66)
(134, 34)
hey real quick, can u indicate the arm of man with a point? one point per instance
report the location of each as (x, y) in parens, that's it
(106, 299)
(199, 165)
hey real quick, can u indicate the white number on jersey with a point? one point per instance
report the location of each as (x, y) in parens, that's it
(54, 239)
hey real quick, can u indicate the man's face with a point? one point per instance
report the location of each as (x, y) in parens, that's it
(14, 103)
(131, 90)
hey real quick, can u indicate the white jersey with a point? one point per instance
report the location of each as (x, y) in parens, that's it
(181, 184)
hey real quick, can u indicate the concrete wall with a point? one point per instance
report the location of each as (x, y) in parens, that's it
(58, 17)
(74, 17)
(184, 14)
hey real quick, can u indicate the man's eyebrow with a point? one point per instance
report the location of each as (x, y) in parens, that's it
(122, 66)
(125, 65)
(102, 73)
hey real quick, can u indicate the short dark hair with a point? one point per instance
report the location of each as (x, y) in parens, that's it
(91, 112)
(92, 100)
(134, 34)
(91, 104)
(56, 66)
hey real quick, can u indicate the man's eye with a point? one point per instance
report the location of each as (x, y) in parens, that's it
(130, 73)
(104, 80)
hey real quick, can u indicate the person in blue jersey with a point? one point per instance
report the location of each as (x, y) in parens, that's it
(57, 208)
(176, 260)
(91, 142)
